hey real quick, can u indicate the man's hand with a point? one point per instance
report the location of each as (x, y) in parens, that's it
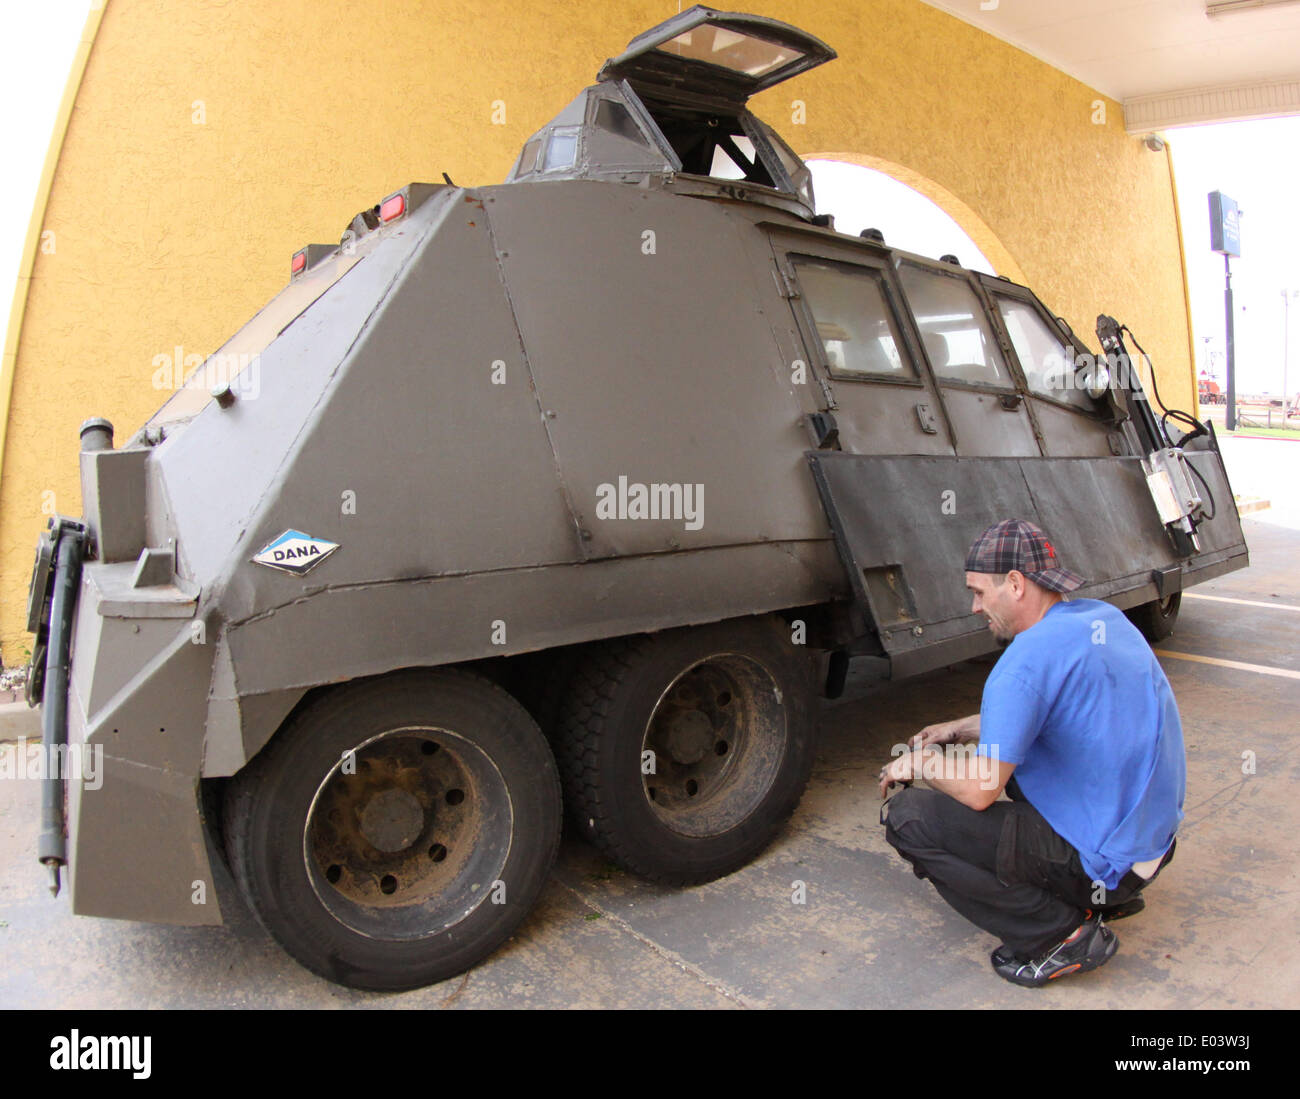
(963, 730)
(902, 769)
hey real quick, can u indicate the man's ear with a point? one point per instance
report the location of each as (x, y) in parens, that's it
(1018, 583)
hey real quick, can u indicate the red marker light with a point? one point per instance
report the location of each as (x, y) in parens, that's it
(393, 207)
(299, 262)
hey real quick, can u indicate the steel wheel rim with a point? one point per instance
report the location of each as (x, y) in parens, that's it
(713, 744)
(408, 833)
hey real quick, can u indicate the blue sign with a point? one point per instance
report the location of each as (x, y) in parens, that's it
(1225, 225)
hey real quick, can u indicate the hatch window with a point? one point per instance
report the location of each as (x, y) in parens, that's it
(614, 117)
(1048, 364)
(956, 334)
(796, 169)
(853, 321)
(734, 159)
(561, 150)
(741, 53)
(528, 158)
(710, 144)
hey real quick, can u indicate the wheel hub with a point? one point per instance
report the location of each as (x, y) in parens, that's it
(407, 833)
(392, 820)
(715, 738)
(689, 736)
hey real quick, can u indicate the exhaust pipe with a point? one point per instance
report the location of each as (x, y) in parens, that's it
(52, 846)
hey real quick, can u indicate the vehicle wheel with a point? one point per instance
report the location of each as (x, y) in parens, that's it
(1156, 619)
(540, 682)
(683, 752)
(396, 830)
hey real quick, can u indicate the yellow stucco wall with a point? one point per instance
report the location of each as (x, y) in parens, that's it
(211, 139)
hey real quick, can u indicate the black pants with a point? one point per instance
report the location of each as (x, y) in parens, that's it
(1004, 868)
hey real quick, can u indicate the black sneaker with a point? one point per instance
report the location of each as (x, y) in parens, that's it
(1131, 907)
(1089, 947)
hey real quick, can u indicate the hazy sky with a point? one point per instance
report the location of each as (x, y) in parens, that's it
(42, 41)
(1256, 163)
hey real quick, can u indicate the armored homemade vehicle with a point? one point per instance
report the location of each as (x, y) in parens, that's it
(620, 464)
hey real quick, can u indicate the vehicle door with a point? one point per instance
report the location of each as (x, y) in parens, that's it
(864, 367)
(985, 399)
(1072, 423)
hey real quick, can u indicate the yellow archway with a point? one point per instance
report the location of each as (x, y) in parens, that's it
(970, 222)
(157, 162)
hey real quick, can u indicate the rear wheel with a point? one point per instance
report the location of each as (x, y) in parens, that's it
(1156, 619)
(397, 830)
(683, 752)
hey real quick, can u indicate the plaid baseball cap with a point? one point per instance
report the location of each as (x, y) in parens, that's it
(1018, 544)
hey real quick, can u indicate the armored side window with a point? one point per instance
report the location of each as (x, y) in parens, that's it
(1047, 363)
(853, 321)
(958, 340)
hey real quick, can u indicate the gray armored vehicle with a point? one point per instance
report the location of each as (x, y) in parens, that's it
(620, 464)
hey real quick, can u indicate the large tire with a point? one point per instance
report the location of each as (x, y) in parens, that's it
(1156, 619)
(396, 830)
(725, 713)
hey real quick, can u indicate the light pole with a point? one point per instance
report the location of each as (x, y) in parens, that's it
(1287, 297)
(1225, 238)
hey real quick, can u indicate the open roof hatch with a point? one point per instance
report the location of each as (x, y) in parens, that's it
(715, 54)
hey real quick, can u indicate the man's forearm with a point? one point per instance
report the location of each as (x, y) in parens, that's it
(975, 781)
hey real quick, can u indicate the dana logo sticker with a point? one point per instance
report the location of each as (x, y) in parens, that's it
(295, 552)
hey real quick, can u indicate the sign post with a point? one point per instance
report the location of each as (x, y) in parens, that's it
(1287, 297)
(1225, 238)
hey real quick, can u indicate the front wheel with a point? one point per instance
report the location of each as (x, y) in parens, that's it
(683, 752)
(1156, 619)
(396, 830)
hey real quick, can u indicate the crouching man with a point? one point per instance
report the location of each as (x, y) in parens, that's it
(1078, 723)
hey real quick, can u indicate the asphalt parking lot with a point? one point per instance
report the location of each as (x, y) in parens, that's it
(1218, 930)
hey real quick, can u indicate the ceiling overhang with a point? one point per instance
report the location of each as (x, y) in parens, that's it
(1169, 62)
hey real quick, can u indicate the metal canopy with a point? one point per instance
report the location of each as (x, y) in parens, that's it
(716, 54)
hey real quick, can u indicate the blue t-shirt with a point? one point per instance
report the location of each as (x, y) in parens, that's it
(1081, 705)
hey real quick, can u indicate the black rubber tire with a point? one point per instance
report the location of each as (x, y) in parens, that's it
(541, 683)
(612, 695)
(267, 806)
(1156, 619)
